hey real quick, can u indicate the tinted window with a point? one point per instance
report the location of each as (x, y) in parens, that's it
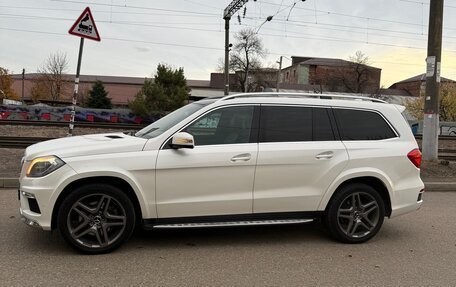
(322, 130)
(285, 124)
(223, 126)
(362, 125)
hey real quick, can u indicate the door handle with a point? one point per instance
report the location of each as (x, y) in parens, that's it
(325, 155)
(241, 157)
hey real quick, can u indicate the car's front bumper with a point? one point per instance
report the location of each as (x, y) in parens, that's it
(38, 196)
(30, 222)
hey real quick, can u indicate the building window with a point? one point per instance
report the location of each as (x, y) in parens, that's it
(287, 75)
(294, 73)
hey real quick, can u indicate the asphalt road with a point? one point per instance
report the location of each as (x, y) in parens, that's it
(417, 249)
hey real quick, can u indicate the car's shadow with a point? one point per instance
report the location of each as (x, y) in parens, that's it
(311, 234)
(222, 236)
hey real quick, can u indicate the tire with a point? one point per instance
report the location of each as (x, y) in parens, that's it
(355, 214)
(96, 218)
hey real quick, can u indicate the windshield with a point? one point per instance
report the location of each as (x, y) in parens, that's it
(158, 127)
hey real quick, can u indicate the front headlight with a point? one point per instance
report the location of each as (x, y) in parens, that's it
(42, 166)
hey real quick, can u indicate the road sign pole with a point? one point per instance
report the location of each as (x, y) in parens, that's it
(76, 87)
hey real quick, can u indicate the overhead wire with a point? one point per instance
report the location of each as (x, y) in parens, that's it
(187, 13)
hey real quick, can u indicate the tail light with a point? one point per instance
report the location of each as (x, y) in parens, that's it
(415, 157)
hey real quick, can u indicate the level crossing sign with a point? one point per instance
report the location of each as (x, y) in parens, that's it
(85, 26)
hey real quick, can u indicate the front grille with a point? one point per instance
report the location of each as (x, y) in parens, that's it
(33, 204)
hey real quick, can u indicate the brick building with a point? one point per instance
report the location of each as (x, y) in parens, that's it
(257, 80)
(335, 75)
(416, 86)
(120, 89)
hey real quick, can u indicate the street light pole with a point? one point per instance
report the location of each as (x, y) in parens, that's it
(227, 56)
(431, 103)
(232, 8)
(23, 78)
(278, 73)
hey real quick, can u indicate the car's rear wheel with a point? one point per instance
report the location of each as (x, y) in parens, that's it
(355, 214)
(96, 218)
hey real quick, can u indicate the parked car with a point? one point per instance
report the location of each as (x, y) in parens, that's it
(243, 159)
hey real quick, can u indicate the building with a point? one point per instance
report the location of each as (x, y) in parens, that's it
(257, 80)
(121, 90)
(416, 86)
(335, 75)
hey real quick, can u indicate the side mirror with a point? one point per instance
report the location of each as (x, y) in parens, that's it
(182, 140)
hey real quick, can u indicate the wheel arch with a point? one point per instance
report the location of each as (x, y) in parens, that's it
(110, 180)
(380, 184)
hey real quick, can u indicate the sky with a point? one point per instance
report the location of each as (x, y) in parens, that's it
(136, 35)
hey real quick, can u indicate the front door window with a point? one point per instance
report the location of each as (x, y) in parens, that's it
(231, 125)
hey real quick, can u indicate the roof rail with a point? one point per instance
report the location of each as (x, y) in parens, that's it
(299, 95)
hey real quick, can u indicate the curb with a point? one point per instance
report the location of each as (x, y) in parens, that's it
(440, 186)
(428, 186)
(9, 182)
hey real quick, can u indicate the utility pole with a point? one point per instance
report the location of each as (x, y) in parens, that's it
(227, 57)
(278, 73)
(23, 78)
(431, 102)
(229, 11)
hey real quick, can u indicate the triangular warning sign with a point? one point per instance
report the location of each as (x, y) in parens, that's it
(85, 26)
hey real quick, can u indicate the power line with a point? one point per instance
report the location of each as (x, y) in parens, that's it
(348, 15)
(425, 3)
(291, 22)
(204, 5)
(113, 12)
(136, 7)
(347, 31)
(175, 44)
(302, 35)
(117, 39)
(120, 22)
(296, 23)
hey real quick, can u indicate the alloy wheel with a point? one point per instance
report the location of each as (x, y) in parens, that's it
(358, 214)
(96, 220)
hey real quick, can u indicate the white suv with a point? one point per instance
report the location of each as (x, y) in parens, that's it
(242, 159)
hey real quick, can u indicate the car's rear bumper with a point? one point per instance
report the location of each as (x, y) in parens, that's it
(414, 201)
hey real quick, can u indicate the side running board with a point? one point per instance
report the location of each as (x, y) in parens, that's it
(230, 223)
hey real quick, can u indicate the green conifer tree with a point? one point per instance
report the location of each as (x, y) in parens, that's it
(98, 97)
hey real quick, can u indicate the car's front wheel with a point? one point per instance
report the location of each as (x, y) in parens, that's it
(96, 218)
(355, 214)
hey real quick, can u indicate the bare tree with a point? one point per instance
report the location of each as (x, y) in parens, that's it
(246, 56)
(354, 77)
(51, 83)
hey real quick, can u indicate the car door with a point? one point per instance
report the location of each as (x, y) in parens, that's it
(299, 156)
(216, 176)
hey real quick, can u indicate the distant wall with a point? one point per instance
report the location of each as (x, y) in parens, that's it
(43, 113)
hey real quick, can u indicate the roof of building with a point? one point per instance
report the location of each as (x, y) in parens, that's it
(113, 79)
(395, 92)
(314, 61)
(422, 78)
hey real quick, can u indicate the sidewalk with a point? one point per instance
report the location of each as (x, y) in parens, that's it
(431, 184)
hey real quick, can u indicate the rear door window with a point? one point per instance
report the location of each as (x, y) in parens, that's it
(362, 125)
(294, 124)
